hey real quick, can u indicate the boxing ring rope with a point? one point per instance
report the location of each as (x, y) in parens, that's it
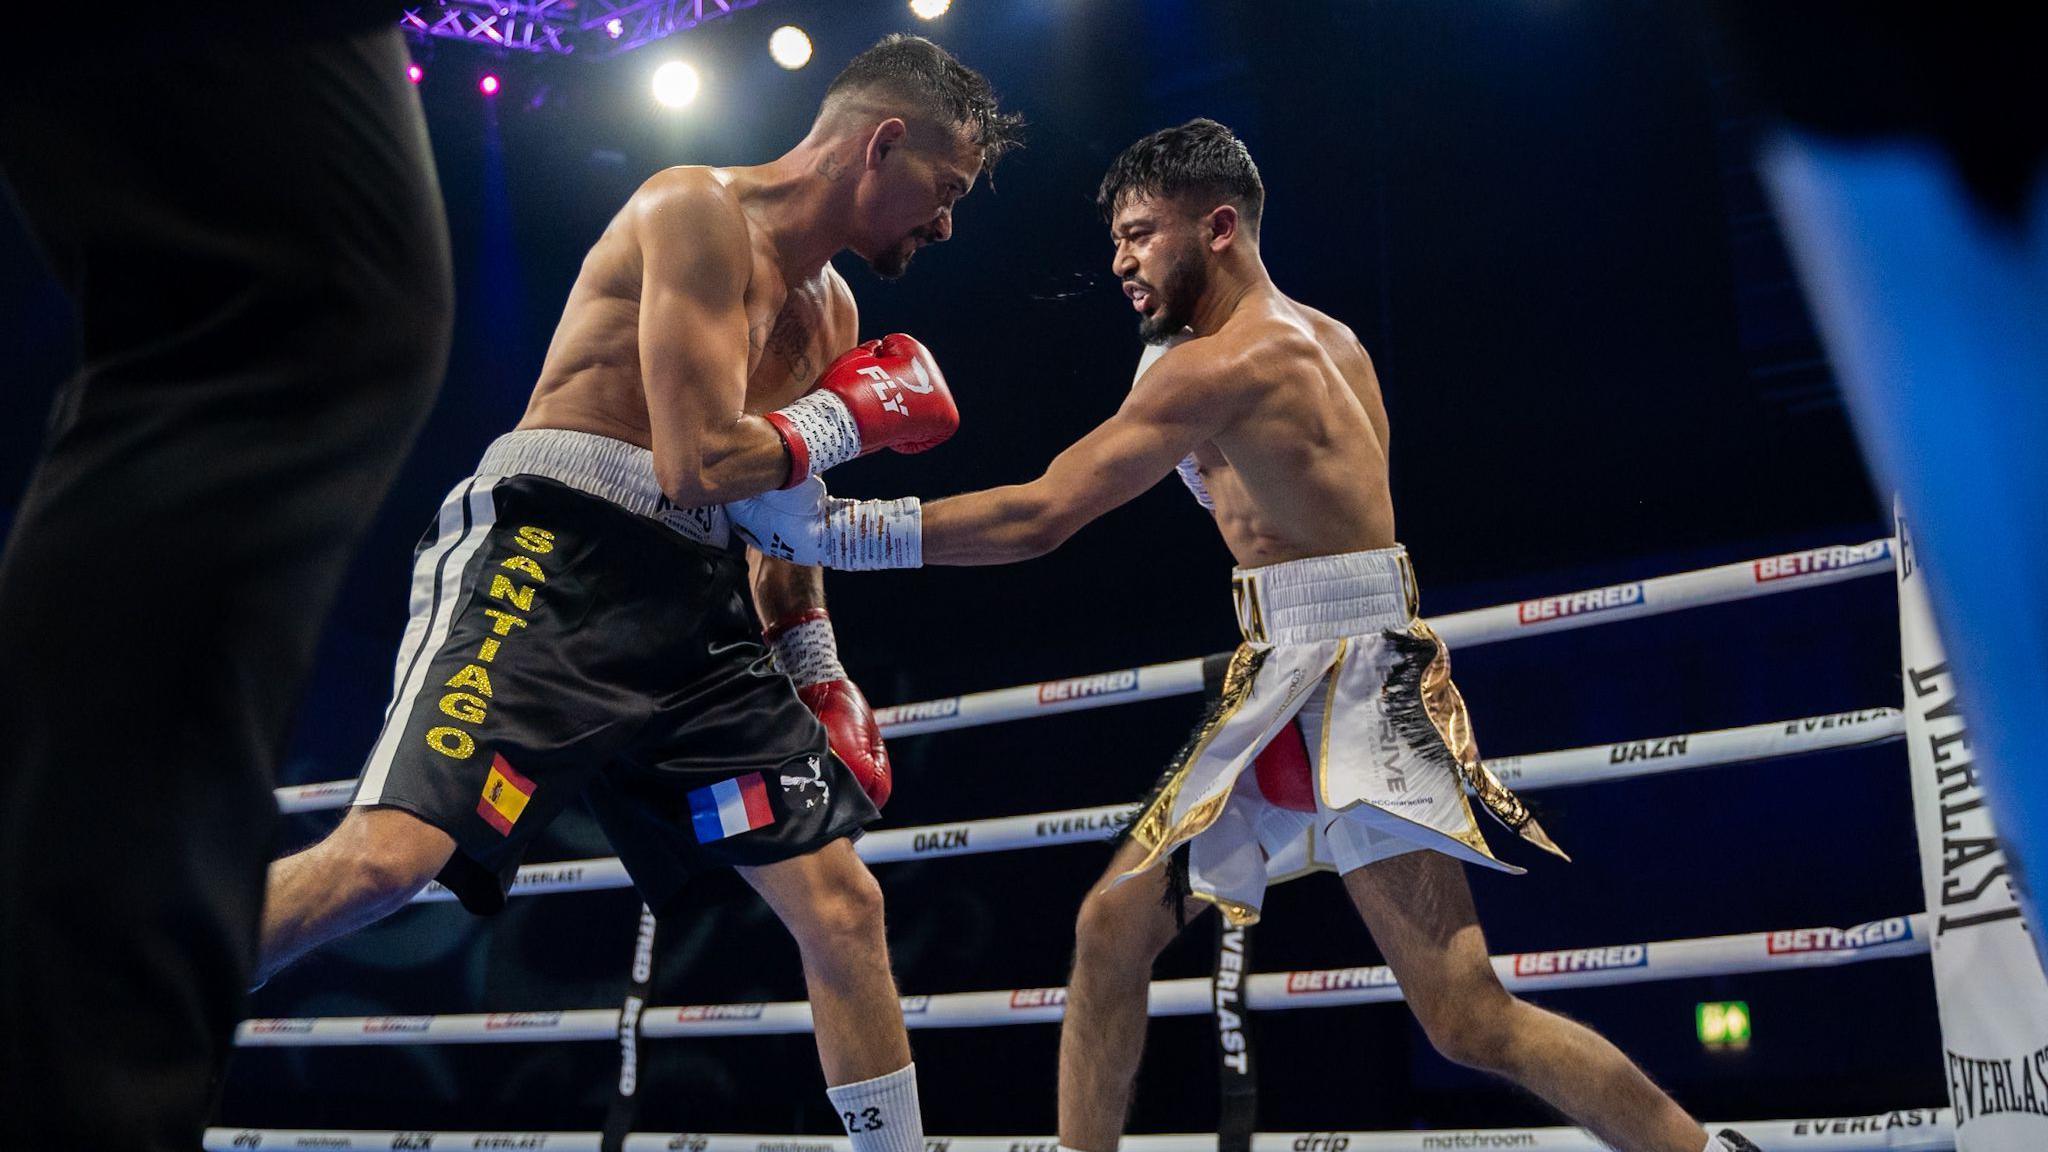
(1907, 1130)
(1744, 953)
(1597, 763)
(1743, 580)
(1546, 971)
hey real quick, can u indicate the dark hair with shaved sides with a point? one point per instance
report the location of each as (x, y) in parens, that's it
(1200, 157)
(926, 78)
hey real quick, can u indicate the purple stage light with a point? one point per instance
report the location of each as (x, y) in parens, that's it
(415, 73)
(488, 85)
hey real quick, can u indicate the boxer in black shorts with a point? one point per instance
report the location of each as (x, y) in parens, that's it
(565, 643)
(579, 625)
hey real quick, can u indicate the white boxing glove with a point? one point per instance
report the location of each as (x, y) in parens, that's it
(806, 525)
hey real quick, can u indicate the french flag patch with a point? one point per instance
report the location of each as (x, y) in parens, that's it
(730, 807)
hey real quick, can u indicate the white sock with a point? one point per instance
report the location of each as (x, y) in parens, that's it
(881, 1114)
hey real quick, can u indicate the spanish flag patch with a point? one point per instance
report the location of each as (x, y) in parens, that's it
(505, 795)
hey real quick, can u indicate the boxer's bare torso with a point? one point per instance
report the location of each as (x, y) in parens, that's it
(796, 320)
(1301, 468)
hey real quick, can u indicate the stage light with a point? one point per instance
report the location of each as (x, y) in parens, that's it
(415, 73)
(930, 9)
(488, 85)
(615, 27)
(790, 47)
(675, 84)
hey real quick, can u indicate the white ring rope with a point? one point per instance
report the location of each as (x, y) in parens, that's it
(1600, 762)
(1637, 963)
(1904, 1130)
(1740, 581)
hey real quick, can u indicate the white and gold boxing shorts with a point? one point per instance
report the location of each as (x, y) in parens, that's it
(1338, 739)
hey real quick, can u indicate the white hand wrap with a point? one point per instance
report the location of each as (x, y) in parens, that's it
(804, 525)
(826, 424)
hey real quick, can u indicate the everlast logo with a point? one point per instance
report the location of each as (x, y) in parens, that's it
(1647, 750)
(1034, 1146)
(1838, 720)
(1579, 603)
(1082, 687)
(1095, 822)
(519, 1140)
(1861, 1125)
(1229, 994)
(911, 713)
(1038, 997)
(944, 840)
(1339, 979)
(1322, 1142)
(1999, 1085)
(1820, 560)
(1972, 866)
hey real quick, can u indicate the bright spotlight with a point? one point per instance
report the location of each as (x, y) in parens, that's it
(415, 73)
(790, 47)
(675, 84)
(930, 9)
(615, 27)
(488, 85)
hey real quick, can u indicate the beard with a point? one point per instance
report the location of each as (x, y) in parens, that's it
(896, 261)
(1174, 295)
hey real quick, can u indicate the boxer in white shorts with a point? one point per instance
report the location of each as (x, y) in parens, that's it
(1336, 740)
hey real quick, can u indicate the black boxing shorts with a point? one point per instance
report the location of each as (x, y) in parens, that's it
(572, 636)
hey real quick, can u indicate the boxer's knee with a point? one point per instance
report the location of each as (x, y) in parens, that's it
(1478, 1033)
(384, 856)
(831, 903)
(1123, 927)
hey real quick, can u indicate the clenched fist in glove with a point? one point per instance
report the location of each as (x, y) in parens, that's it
(886, 393)
(806, 652)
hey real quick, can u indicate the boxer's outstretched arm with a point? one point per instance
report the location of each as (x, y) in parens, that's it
(1182, 401)
(696, 262)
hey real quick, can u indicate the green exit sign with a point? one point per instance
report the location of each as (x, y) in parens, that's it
(1723, 1024)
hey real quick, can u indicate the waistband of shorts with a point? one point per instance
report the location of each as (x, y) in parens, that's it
(608, 469)
(1325, 597)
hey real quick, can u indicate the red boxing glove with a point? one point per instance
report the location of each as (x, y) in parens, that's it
(806, 652)
(887, 393)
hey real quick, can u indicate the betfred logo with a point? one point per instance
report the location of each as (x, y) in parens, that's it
(280, 1027)
(510, 1021)
(1339, 980)
(720, 1012)
(912, 713)
(377, 1025)
(1568, 960)
(1830, 559)
(1794, 941)
(1579, 603)
(1085, 687)
(1038, 997)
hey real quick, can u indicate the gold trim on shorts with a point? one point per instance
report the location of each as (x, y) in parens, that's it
(1150, 830)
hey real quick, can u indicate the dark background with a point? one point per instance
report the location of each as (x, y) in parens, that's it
(1544, 223)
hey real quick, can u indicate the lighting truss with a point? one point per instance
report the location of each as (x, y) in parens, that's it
(561, 27)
